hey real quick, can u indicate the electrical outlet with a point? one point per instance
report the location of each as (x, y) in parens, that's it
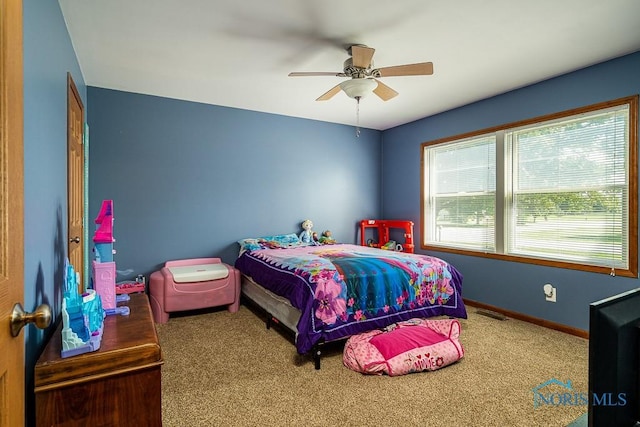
(549, 292)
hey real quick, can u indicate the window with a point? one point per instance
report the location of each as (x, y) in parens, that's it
(463, 193)
(559, 190)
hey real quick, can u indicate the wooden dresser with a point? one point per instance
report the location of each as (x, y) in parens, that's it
(117, 385)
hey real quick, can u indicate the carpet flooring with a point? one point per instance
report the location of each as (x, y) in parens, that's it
(227, 369)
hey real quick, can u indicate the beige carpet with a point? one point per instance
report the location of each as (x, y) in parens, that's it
(224, 369)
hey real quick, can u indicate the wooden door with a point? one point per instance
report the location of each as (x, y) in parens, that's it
(75, 180)
(12, 388)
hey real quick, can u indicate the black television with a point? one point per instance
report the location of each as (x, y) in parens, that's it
(614, 359)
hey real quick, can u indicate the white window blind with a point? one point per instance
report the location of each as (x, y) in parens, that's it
(461, 188)
(558, 190)
(567, 196)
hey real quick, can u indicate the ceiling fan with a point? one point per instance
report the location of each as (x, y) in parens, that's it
(364, 78)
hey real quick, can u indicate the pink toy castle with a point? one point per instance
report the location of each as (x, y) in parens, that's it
(104, 268)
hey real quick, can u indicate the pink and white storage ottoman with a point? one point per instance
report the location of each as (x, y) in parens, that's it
(191, 284)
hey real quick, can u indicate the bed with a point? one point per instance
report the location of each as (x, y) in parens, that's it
(328, 293)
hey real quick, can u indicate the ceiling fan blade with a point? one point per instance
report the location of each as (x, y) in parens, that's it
(316, 73)
(362, 56)
(384, 92)
(329, 94)
(420, 69)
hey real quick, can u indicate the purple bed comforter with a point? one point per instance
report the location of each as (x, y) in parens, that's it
(343, 289)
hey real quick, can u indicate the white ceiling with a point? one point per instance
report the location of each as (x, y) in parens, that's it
(239, 53)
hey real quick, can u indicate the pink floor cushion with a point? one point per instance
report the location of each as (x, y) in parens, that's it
(412, 346)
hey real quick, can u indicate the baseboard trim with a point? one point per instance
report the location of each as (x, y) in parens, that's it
(526, 318)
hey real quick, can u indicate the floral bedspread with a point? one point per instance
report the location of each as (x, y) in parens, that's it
(343, 289)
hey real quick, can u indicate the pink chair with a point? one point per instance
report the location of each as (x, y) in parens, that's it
(191, 284)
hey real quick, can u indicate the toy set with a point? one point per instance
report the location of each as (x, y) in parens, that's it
(383, 229)
(83, 314)
(82, 317)
(104, 267)
(138, 286)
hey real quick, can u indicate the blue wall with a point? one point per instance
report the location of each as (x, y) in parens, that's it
(509, 285)
(48, 56)
(189, 180)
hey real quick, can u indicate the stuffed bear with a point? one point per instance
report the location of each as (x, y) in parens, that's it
(326, 238)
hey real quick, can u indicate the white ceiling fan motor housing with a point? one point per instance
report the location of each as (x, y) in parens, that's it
(358, 87)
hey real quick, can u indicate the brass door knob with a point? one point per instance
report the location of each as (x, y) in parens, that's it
(41, 318)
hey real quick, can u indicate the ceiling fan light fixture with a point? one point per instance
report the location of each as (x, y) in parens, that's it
(358, 88)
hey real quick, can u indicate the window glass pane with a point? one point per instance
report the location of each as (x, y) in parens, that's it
(466, 222)
(570, 187)
(582, 227)
(461, 183)
(552, 191)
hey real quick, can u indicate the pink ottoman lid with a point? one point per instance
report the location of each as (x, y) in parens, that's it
(199, 272)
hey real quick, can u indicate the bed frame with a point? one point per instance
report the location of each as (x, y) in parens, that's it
(278, 310)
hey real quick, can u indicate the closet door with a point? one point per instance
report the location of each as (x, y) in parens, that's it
(75, 180)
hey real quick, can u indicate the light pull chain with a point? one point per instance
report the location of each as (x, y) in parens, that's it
(357, 117)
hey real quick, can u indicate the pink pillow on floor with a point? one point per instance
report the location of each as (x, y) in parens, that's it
(412, 346)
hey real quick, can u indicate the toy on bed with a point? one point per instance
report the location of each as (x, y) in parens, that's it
(307, 235)
(326, 238)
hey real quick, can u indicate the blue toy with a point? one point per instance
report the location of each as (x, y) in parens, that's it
(82, 317)
(307, 235)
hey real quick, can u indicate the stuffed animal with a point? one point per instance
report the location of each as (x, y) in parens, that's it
(307, 235)
(326, 238)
